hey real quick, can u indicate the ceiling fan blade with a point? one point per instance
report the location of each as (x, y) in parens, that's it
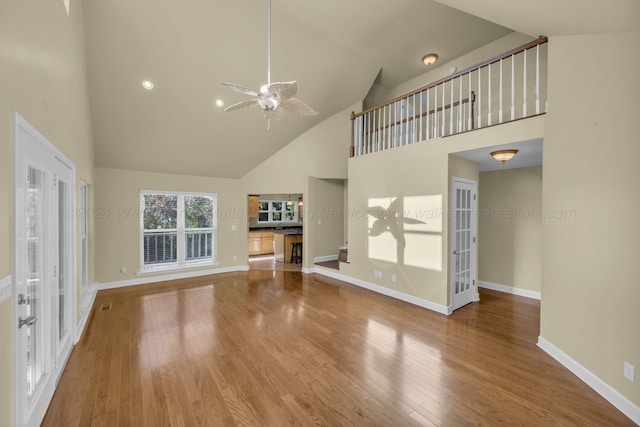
(284, 90)
(244, 104)
(241, 89)
(273, 116)
(295, 105)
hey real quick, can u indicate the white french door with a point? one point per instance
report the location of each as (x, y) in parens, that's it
(463, 242)
(44, 254)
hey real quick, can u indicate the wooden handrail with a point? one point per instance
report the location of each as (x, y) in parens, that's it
(424, 114)
(540, 40)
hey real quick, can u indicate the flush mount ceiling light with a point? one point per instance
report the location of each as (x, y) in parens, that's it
(429, 59)
(219, 103)
(503, 155)
(147, 84)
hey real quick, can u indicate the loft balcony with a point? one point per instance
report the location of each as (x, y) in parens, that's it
(511, 86)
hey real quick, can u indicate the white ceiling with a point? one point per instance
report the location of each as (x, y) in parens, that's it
(529, 154)
(334, 49)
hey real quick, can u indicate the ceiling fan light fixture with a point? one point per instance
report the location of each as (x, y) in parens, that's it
(503, 155)
(429, 59)
(274, 98)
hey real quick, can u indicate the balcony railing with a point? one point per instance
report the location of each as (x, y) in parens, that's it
(507, 87)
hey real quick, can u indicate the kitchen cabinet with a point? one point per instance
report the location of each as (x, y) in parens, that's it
(260, 242)
(254, 202)
(267, 243)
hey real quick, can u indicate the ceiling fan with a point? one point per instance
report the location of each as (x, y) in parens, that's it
(273, 98)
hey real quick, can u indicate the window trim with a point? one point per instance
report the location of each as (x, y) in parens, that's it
(270, 212)
(181, 231)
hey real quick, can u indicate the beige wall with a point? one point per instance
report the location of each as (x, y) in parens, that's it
(117, 218)
(43, 78)
(510, 228)
(324, 219)
(420, 172)
(590, 288)
(322, 152)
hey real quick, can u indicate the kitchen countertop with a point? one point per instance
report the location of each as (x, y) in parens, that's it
(288, 232)
(276, 229)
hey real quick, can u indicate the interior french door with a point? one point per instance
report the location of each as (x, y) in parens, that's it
(463, 242)
(44, 269)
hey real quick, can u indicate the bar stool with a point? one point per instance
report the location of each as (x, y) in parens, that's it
(296, 252)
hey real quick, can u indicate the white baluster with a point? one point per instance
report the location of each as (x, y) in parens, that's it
(489, 99)
(513, 87)
(389, 128)
(420, 116)
(538, 79)
(395, 123)
(435, 113)
(451, 111)
(460, 115)
(382, 130)
(500, 103)
(357, 129)
(479, 125)
(406, 121)
(444, 111)
(470, 118)
(427, 118)
(379, 131)
(524, 84)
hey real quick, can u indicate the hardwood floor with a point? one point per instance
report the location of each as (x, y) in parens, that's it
(280, 348)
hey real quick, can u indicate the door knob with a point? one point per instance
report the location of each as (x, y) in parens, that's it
(456, 252)
(29, 321)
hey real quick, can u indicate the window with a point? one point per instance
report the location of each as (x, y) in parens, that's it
(177, 229)
(277, 211)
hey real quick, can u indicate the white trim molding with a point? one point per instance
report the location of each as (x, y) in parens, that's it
(5, 288)
(325, 258)
(439, 308)
(509, 290)
(87, 299)
(165, 277)
(614, 397)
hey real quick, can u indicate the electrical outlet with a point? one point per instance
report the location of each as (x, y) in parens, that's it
(123, 270)
(234, 228)
(235, 258)
(377, 274)
(393, 278)
(629, 372)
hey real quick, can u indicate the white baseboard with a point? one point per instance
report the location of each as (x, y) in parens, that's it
(509, 290)
(88, 298)
(325, 258)
(381, 290)
(174, 276)
(5, 288)
(614, 397)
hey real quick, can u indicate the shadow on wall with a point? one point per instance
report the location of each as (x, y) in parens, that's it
(406, 230)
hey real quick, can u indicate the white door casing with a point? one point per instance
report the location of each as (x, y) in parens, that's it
(463, 242)
(44, 269)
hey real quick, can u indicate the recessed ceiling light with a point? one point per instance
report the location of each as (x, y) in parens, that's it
(219, 103)
(147, 84)
(429, 59)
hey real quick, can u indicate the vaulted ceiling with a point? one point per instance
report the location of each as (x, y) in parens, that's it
(335, 50)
